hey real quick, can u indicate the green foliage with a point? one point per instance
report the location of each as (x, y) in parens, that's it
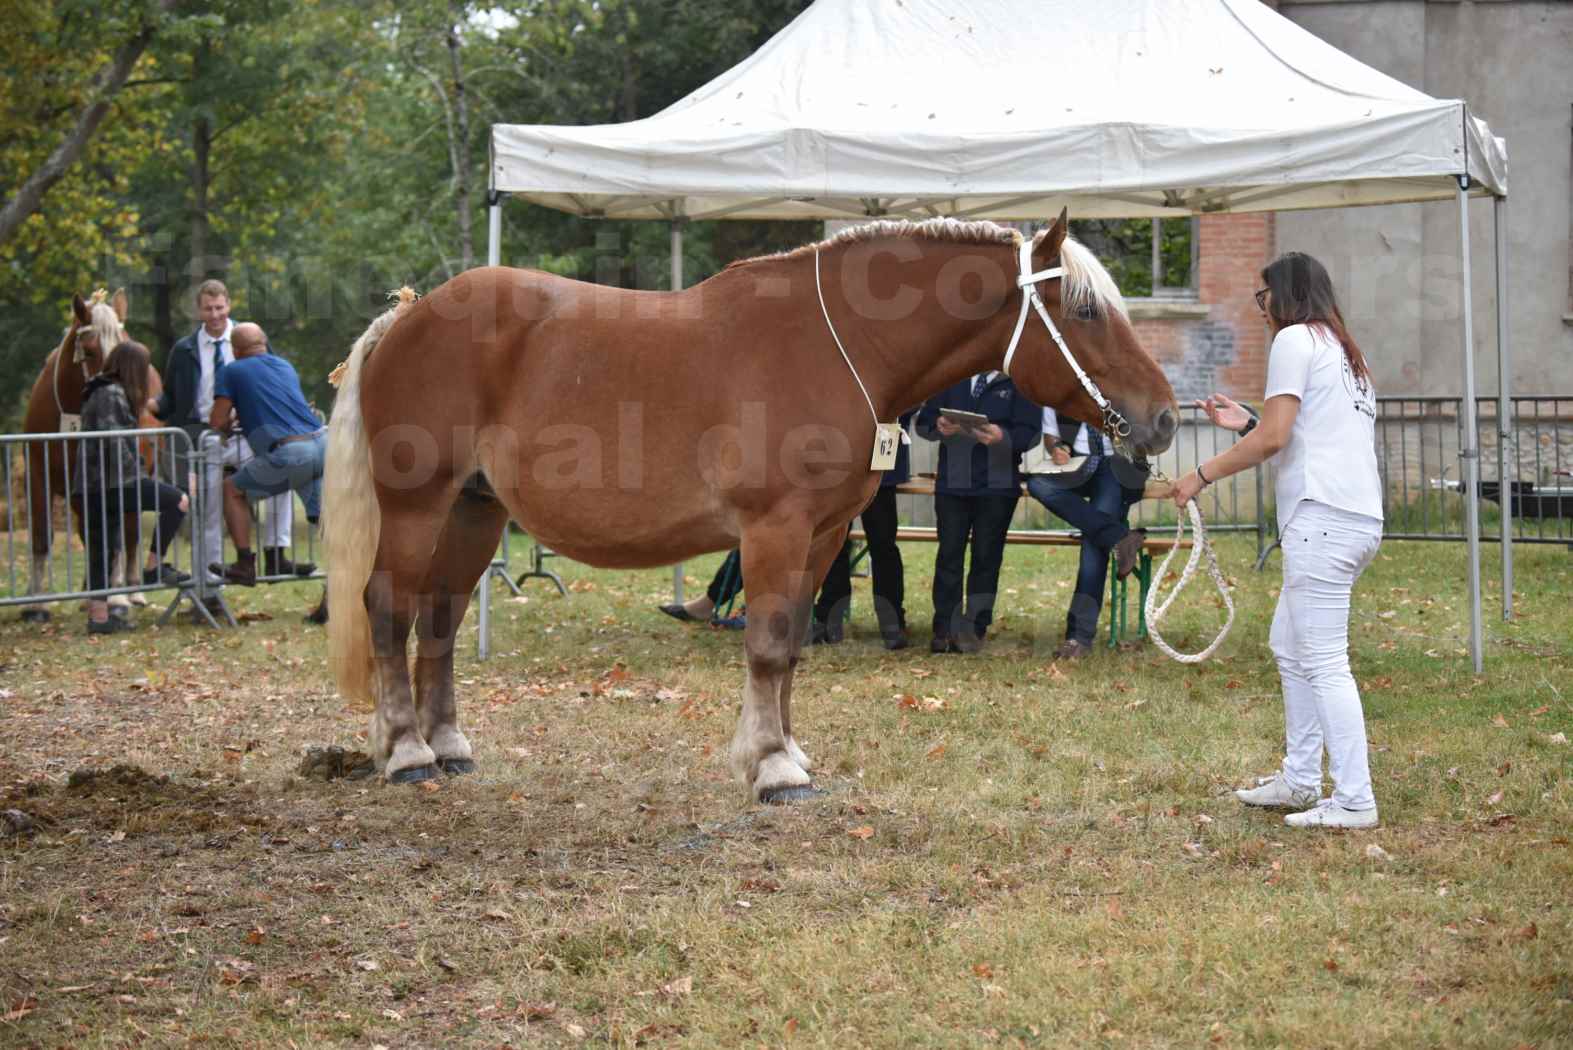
(1125, 246)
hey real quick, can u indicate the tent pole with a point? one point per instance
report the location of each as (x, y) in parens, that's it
(1506, 430)
(677, 284)
(493, 228)
(1469, 439)
(499, 565)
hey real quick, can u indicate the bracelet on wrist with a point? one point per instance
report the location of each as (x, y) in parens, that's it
(1199, 474)
(1250, 425)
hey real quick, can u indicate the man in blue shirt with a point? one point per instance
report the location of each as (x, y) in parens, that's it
(289, 442)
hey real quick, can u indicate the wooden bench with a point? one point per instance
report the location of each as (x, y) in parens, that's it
(1118, 625)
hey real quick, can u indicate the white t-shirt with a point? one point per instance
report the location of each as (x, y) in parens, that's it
(1331, 454)
(205, 369)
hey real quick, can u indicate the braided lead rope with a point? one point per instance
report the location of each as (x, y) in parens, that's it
(1155, 610)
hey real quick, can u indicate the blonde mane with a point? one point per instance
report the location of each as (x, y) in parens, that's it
(1086, 282)
(103, 322)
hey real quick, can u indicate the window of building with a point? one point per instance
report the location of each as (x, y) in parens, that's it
(1149, 258)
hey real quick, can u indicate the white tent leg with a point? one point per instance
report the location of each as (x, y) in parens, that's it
(1469, 444)
(494, 229)
(677, 283)
(1507, 432)
(483, 600)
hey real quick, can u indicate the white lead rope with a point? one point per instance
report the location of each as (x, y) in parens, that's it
(828, 324)
(1155, 610)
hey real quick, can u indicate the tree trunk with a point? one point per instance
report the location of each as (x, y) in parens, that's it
(459, 145)
(201, 145)
(106, 86)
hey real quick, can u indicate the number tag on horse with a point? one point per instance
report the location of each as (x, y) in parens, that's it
(70, 424)
(887, 441)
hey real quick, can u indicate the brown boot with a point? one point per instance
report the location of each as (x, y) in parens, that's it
(1127, 551)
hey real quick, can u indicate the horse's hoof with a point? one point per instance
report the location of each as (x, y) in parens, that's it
(456, 767)
(35, 615)
(787, 795)
(414, 775)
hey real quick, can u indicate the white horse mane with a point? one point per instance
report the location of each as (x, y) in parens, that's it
(1086, 281)
(102, 322)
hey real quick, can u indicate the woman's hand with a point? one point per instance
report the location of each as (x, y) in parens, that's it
(1060, 455)
(1225, 413)
(1187, 489)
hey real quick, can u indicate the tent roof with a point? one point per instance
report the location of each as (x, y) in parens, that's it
(1011, 109)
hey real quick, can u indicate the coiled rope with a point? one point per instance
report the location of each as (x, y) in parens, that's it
(1155, 610)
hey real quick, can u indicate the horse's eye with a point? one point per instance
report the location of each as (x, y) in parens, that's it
(1086, 312)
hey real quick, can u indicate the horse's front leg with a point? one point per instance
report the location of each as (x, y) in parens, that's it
(820, 556)
(774, 579)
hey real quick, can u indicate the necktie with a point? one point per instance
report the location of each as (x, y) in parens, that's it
(218, 351)
(978, 384)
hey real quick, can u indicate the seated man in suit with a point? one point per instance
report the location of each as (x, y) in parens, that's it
(1095, 498)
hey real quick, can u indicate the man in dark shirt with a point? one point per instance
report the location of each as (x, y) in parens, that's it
(975, 496)
(289, 442)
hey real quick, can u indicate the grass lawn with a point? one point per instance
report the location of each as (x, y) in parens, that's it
(1008, 853)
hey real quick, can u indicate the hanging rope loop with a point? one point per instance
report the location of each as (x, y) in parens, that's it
(1156, 610)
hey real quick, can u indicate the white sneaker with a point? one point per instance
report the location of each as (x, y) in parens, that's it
(1275, 792)
(1329, 814)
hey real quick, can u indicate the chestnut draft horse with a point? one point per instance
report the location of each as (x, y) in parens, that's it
(97, 327)
(626, 429)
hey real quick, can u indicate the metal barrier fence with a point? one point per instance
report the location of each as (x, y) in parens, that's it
(1418, 442)
(72, 504)
(53, 534)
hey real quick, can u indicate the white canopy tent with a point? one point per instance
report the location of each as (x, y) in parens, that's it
(1013, 109)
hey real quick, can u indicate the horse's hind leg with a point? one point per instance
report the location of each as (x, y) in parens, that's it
(404, 549)
(778, 588)
(465, 549)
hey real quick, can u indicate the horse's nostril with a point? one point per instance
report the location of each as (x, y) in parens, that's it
(1166, 423)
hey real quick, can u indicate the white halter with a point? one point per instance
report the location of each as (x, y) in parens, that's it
(1114, 424)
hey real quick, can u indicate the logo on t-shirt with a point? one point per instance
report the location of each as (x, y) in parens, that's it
(1359, 389)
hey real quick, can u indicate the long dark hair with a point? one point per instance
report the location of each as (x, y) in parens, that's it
(128, 365)
(1302, 293)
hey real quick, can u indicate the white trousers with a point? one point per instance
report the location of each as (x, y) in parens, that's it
(1325, 550)
(277, 511)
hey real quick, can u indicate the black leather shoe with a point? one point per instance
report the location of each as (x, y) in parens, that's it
(968, 642)
(276, 563)
(942, 643)
(895, 639)
(825, 632)
(676, 611)
(165, 574)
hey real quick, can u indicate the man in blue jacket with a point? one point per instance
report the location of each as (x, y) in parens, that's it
(974, 499)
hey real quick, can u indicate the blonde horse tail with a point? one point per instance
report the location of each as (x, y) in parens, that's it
(351, 524)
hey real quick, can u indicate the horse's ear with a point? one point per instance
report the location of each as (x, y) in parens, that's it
(1049, 246)
(79, 310)
(121, 304)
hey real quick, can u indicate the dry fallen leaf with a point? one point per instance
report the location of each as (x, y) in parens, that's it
(680, 987)
(864, 832)
(937, 751)
(1499, 722)
(1495, 799)
(983, 970)
(1375, 852)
